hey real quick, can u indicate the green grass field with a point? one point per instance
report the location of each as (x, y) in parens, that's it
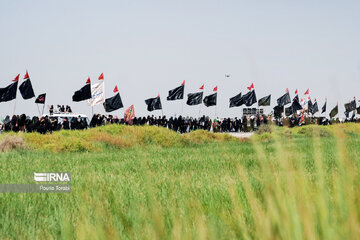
(151, 183)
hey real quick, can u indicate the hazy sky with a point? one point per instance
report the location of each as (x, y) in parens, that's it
(150, 47)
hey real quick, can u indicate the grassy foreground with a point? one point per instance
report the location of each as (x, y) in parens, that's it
(133, 183)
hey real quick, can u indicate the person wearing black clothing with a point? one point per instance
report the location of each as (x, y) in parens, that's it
(66, 124)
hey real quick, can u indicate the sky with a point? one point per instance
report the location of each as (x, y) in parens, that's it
(150, 47)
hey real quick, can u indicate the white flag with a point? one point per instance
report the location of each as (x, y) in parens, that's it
(97, 94)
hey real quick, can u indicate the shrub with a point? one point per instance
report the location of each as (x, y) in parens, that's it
(10, 142)
(314, 130)
(265, 128)
(287, 133)
(264, 137)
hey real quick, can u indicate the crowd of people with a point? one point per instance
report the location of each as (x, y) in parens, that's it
(186, 124)
(50, 123)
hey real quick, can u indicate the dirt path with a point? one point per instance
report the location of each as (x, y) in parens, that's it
(241, 134)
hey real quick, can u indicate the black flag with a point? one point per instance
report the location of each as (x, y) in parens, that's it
(347, 107)
(310, 106)
(278, 110)
(284, 99)
(8, 93)
(296, 105)
(26, 89)
(236, 101)
(346, 114)
(250, 98)
(83, 94)
(265, 101)
(289, 111)
(113, 103)
(358, 110)
(153, 104)
(334, 111)
(296, 98)
(314, 108)
(41, 98)
(353, 105)
(210, 100)
(323, 109)
(194, 98)
(176, 93)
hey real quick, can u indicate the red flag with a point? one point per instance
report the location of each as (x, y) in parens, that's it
(315, 99)
(296, 92)
(202, 87)
(215, 89)
(307, 92)
(158, 95)
(183, 83)
(88, 81)
(101, 77)
(115, 89)
(287, 89)
(129, 114)
(16, 78)
(26, 75)
(251, 86)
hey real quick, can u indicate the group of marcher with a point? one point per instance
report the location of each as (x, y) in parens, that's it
(187, 124)
(42, 125)
(179, 124)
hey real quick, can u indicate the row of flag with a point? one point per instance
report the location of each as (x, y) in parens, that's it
(197, 98)
(95, 95)
(8, 93)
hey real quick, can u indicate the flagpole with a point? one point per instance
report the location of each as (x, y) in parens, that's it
(15, 99)
(182, 106)
(200, 109)
(43, 109)
(14, 107)
(38, 109)
(182, 102)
